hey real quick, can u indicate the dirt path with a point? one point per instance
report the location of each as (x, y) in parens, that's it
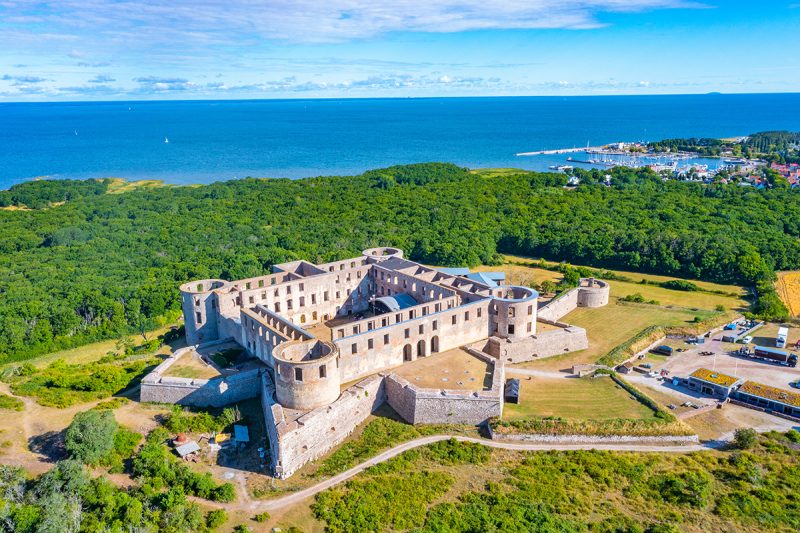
(291, 499)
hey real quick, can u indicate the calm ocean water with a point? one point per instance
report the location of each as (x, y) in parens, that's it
(219, 140)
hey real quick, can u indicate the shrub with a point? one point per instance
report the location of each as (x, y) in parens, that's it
(90, 436)
(261, 517)
(680, 285)
(692, 487)
(745, 438)
(216, 518)
(10, 403)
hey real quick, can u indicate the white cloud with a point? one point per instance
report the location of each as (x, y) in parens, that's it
(143, 21)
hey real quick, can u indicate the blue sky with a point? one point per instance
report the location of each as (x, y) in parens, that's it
(132, 49)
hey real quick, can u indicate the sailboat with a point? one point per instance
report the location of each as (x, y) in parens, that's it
(166, 141)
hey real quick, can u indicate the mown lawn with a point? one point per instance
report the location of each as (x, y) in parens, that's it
(575, 399)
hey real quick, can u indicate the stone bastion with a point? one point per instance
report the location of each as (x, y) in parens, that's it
(306, 373)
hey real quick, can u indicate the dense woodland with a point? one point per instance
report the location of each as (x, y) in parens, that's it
(100, 264)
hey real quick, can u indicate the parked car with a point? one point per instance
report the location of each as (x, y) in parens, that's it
(795, 384)
(747, 340)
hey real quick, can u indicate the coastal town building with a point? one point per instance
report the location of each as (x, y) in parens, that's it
(330, 341)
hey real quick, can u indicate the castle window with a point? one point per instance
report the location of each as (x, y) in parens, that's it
(386, 339)
(398, 317)
(454, 319)
(341, 333)
(411, 314)
(288, 289)
(277, 307)
(530, 310)
(323, 373)
(272, 281)
(480, 312)
(313, 299)
(338, 294)
(370, 344)
(358, 274)
(199, 287)
(302, 301)
(510, 312)
(383, 322)
(298, 374)
(355, 330)
(348, 276)
(330, 269)
(435, 325)
(264, 295)
(325, 296)
(466, 316)
(438, 307)
(197, 302)
(353, 264)
(247, 285)
(511, 329)
(424, 311)
(341, 266)
(354, 348)
(288, 305)
(421, 329)
(348, 292)
(530, 326)
(277, 293)
(302, 287)
(261, 283)
(407, 333)
(199, 317)
(405, 283)
(251, 299)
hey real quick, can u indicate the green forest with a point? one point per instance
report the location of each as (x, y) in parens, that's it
(78, 264)
(774, 146)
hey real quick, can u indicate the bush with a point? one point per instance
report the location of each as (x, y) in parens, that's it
(216, 518)
(745, 438)
(680, 285)
(90, 436)
(10, 403)
(261, 517)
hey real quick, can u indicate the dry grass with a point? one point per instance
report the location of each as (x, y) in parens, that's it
(454, 369)
(575, 399)
(191, 366)
(788, 287)
(119, 185)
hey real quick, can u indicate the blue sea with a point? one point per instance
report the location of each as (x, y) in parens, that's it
(220, 140)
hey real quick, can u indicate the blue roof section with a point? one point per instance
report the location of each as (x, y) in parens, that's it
(241, 434)
(487, 278)
(455, 271)
(492, 279)
(397, 302)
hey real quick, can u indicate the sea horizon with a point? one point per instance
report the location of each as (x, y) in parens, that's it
(202, 141)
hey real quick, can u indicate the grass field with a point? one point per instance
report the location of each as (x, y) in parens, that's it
(119, 185)
(190, 366)
(94, 351)
(610, 326)
(520, 274)
(788, 287)
(575, 399)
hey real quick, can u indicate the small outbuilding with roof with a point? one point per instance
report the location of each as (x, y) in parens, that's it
(712, 383)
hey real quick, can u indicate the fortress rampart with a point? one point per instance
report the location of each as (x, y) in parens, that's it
(318, 326)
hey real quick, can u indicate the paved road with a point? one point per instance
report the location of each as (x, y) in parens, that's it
(296, 497)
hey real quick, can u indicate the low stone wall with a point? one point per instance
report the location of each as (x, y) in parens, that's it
(215, 392)
(433, 406)
(682, 440)
(559, 306)
(546, 344)
(294, 443)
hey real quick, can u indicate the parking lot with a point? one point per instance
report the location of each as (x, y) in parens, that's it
(682, 363)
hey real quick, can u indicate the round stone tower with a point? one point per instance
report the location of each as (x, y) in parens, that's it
(593, 292)
(515, 311)
(375, 255)
(201, 309)
(306, 374)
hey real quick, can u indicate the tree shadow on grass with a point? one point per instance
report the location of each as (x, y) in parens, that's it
(50, 445)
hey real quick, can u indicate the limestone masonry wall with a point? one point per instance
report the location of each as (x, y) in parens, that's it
(589, 293)
(294, 443)
(432, 406)
(546, 344)
(215, 392)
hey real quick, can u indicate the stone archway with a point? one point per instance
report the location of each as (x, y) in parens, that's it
(421, 348)
(407, 355)
(434, 344)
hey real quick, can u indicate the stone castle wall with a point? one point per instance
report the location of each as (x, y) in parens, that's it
(546, 344)
(589, 293)
(294, 443)
(215, 392)
(430, 406)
